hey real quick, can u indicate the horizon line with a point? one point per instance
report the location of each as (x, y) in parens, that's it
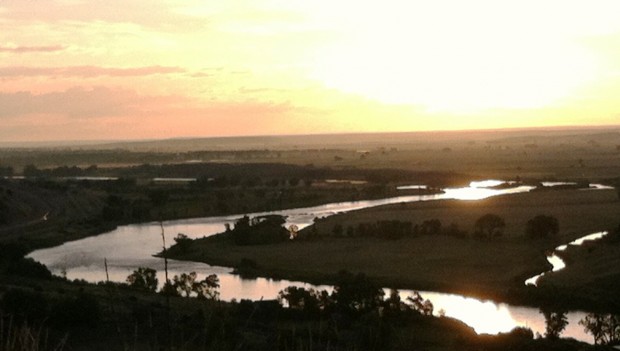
(103, 142)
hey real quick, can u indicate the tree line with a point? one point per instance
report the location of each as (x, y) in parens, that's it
(488, 226)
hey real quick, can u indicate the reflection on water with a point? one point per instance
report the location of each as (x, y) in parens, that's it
(175, 180)
(132, 246)
(486, 183)
(484, 189)
(594, 236)
(557, 262)
(600, 187)
(412, 187)
(557, 183)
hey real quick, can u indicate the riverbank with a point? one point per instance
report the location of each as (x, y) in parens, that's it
(46, 212)
(494, 268)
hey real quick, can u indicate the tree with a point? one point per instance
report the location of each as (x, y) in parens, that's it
(356, 293)
(555, 323)
(309, 301)
(431, 227)
(259, 230)
(605, 328)
(207, 288)
(186, 284)
(489, 225)
(183, 242)
(143, 278)
(418, 304)
(542, 226)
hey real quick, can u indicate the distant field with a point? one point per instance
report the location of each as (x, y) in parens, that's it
(536, 153)
(578, 212)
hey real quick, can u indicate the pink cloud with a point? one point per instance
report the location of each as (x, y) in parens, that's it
(74, 102)
(24, 49)
(86, 71)
(105, 113)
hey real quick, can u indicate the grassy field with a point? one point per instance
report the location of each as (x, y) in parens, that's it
(470, 266)
(592, 269)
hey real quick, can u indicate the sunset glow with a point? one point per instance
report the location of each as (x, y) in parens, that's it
(75, 69)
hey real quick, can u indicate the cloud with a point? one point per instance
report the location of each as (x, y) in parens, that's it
(85, 71)
(74, 102)
(107, 113)
(80, 102)
(25, 49)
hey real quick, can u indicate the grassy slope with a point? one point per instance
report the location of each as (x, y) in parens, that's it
(593, 269)
(431, 262)
(48, 214)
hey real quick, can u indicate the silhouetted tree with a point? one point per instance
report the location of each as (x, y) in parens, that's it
(309, 301)
(454, 230)
(183, 242)
(542, 226)
(555, 323)
(207, 288)
(259, 230)
(143, 278)
(489, 225)
(418, 304)
(184, 283)
(431, 227)
(605, 328)
(356, 293)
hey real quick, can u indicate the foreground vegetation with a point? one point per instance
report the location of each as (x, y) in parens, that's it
(39, 312)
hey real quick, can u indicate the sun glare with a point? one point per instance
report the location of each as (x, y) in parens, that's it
(453, 58)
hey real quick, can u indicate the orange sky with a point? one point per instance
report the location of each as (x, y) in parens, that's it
(93, 69)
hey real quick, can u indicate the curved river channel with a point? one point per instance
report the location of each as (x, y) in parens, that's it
(132, 246)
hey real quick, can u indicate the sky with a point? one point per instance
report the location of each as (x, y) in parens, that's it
(136, 69)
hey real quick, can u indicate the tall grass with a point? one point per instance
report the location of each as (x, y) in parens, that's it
(16, 336)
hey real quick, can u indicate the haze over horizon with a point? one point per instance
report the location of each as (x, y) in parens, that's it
(92, 70)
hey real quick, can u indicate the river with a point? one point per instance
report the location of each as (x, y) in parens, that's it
(131, 246)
